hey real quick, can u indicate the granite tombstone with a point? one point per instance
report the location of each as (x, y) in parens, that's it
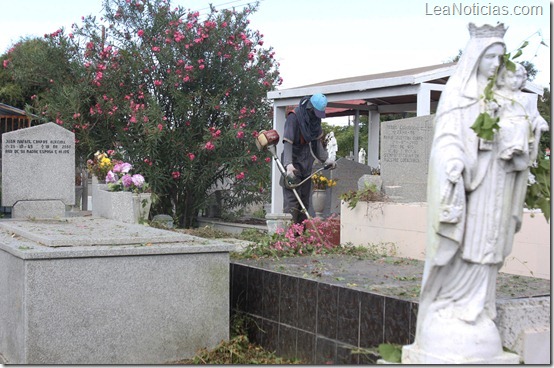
(405, 148)
(38, 171)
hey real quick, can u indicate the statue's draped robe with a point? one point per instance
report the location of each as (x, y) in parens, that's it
(471, 223)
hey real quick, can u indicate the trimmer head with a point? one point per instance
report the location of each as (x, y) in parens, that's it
(267, 139)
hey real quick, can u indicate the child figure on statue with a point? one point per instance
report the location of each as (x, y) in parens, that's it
(516, 131)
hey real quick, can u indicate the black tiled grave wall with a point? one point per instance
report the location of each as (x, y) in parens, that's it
(317, 322)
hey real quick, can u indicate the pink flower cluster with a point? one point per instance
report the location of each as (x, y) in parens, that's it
(311, 236)
(120, 178)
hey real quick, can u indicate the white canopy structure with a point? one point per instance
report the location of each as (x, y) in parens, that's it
(413, 90)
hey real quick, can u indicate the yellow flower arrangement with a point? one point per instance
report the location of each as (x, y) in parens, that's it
(321, 182)
(100, 165)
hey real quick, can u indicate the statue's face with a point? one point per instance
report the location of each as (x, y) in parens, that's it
(514, 81)
(490, 60)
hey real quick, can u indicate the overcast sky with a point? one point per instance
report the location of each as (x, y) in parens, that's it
(320, 40)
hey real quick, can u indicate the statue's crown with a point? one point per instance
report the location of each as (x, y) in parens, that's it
(487, 31)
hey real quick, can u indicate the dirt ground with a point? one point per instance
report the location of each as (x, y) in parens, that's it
(390, 276)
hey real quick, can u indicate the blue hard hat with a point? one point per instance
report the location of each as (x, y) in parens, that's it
(319, 102)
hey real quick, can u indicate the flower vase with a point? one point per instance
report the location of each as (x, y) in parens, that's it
(141, 206)
(121, 206)
(78, 198)
(318, 201)
(96, 187)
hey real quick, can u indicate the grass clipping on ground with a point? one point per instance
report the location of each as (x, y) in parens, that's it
(238, 350)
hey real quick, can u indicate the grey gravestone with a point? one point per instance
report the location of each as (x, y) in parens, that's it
(164, 221)
(405, 149)
(38, 171)
(346, 174)
(94, 291)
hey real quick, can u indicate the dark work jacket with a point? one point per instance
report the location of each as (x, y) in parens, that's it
(301, 156)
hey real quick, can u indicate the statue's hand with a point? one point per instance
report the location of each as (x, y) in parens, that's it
(454, 170)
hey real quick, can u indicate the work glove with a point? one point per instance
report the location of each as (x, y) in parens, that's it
(330, 164)
(291, 174)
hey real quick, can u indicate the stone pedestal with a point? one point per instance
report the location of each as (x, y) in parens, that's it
(38, 209)
(96, 291)
(411, 354)
(277, 221)
(121, 206)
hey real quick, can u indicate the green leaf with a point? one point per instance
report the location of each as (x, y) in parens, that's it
(518, 54)
(545, 164)
(538, 194)
(524, 45)
(391, 352)
(478, 123)
(488, 92)
(511, 66)
(485, 126)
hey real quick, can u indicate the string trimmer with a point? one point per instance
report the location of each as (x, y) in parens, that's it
(268, 140)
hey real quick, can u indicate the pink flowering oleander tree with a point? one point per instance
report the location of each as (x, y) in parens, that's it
(180, 95)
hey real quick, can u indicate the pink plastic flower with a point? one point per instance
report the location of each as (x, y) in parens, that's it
(137, 180)
(122, 167)
(127, 180)
(240, 176)
(176, 175)
(191, 156)
(209, 146)
(111, 177)
(140, 32)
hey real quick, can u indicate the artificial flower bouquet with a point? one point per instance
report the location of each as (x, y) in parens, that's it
(101, 164)
(321, 182)
(119, 178)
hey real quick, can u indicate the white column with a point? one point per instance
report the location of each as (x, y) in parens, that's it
(373, 132)
(356, 135)
(279, 118)
(423, 100)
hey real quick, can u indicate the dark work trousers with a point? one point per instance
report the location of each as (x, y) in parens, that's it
(291, 204)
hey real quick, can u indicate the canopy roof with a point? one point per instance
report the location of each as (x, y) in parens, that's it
(7, 111)
(389, 92)
(12, 118)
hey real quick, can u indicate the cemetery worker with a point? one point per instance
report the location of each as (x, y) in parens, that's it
(474, 208)
(303, 142)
